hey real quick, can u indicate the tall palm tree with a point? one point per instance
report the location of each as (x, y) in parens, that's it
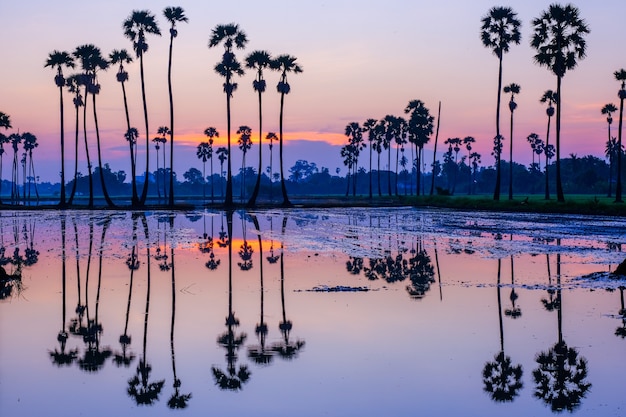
(380, 142)
(400, 140)
(245, 143)
(157, 146)
(163, 131)
(369, 127)
(231, 36)
(609, 109)
(59, 60)
(500, 28)
(222, 156)
(549, 97)
(432, 180)
(15, 139)
(559, 40)
(468, 141)
(284, 64)
(5, 122)
(74, 83)
(420, 128)
(610, 152)
(513, 89)
(122, 57)
(271, 137)
(204, 152)
(259, 61)
(173, 16)
(136, 26)
(621, 77)
(211, 133)
(30, 143)
(389, 123)
(354, 132)
(347, 153)
(474, 159)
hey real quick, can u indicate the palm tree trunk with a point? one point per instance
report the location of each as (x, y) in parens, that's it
(62, 203)
(378, 174)
(146, 180)
(228, 201)
(559, 186)
(610, 153)
(547, 192)
(618, 185)
(496, 192)
(370, 170)
(107, 198)
(133, 166)
(389, 170)
(163, 176)
(71, 199)
(511, 161)
(169, 89)
(432, 180)
(397, 158)
(257, 185)
(212, 193)
(203, 182)
(158, 183)
(90, 176)
(283, 187)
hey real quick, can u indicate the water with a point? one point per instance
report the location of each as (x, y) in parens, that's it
(351, 312)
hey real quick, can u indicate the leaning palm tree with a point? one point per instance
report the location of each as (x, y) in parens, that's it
(5, 122)
(500, 27)
(258, 60)
(122, 57)
(136, 26)
(284, 64)
(513, 89)
(173, 16)
(549, 97)
(559, 40)
(420, 128)
(609, 109)
(211, 133)
(204, 152)
(621, 77)
(59, 60)
(231, 36)
(245, 143)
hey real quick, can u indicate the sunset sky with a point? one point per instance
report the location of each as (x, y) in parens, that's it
(361, 59)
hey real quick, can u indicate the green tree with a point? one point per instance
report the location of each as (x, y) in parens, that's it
(231, 36)
(609, 109)
(136, 26)
(500, 28)
(559, 40)
(621, 77)
(513, 89)
(59, 60)
(259, 61)
(284, 64)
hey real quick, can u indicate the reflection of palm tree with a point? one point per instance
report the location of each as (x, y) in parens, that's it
(552, 303)
(140, 388)
(421, 273)
(286, 349)
(177, 400)
(621, 331)
(232, 379)
(502, 379)
(259, 354)
(61, 357)
(212, 263)
(245, 250)
(561, 374)
(513, 312)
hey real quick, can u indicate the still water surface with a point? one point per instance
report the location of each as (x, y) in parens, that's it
(351, 312)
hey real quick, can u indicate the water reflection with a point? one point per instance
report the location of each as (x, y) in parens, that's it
(105, 261)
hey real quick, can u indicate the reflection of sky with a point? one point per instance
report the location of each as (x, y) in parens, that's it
(367, 353)
(360, 59)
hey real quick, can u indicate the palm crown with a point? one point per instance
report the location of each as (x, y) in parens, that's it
(174, 15)
(285, 64)
(259, 60)
(59, 60)
(500, 28)
(120, 56)
(137, 25)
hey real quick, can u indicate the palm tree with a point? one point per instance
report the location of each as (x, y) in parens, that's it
(211, 133)
(204, 152)
(620, 76)
(30, 143)
(354, 132)
(59, 60)
(15, 139)
(347, 152)
(609, 109)
(389, 124)
(380, 143)
(432, 181)
(173, 15)
(136, 26)
(500, 27)
(400, 138)
(230, 35)
(513, 89)
(474, 159)
(420, 128)
(559, 40)
(5, 122)
(245, 143)
(157, 146)
(222, 155)
(369, 127)
(610, 152)
(454, 144)
(284, 64)
(163, 131)
(73, 83)
(271, 137)
(258, 60)
(122, 57)
(468, 141)
(549, 97)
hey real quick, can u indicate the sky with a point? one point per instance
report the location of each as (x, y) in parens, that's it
(361, 59)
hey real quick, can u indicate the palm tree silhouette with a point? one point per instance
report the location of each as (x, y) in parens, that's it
(369, 127)
(559, 40)
(549, 97)
(284, 64)
(245, 143)
(222, 155)
(468, 141)
(230, 35)
(271, 137)
(204, 152)
(136, 26)
(379, 144)
(420, 127)
(140, 388)
(500, 27)
(122, 57)
(513, 89)
(259, 61)
(73, 83)
(211, 133)
(620, 76)
(514, 312)
(5, 122)
(15, 139)
(30, 143)
(232, 379)
(609, 109)
(502, 379)
(432, 181)
(245, 250)
(354, 132)
(621, 331)
(158, 140)
(420, 272)
(610, 151)
(59, 60)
